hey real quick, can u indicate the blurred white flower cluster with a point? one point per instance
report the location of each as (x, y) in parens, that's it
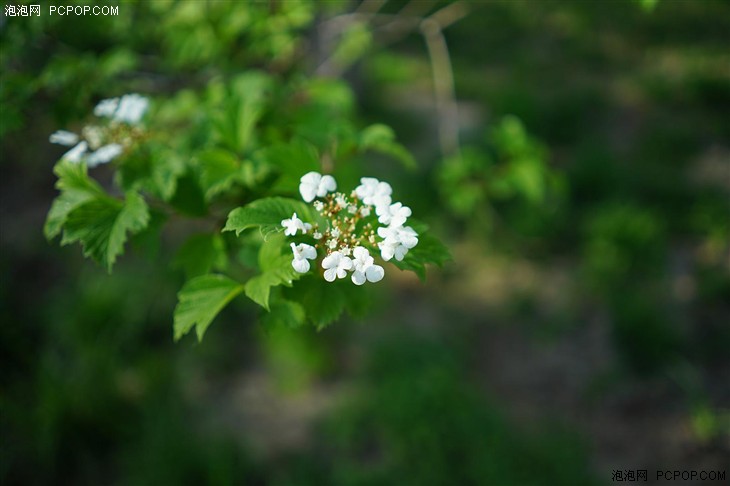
(100, 144)
(366, 219)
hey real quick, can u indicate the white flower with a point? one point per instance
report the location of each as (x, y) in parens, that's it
(373, 192)
(352, 209)
(104, 154)
(132, 108)
(408, 237)
(341, 200)
(364, 267)
(76, 154)
(107, 107)
(365, 211)
(332, 244)
(390, 249)
(335, 266)
(313, 184)
(302, 253)
(317, 235)
(93, 135)
(293, 224)
(335, 233)
(63, 137)
(318, 205)
(396, 242)
(394, 215)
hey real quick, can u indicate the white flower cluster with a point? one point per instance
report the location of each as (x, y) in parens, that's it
(351, 229)
(101, 144)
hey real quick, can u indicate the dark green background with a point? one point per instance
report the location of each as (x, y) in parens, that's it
(571, 336)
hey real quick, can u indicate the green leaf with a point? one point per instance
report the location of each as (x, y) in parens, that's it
(267, 214)
(76, 189)
(101, 226)
(323, 301)
(235, 121)
(284, 313)
(291, 160)
(220, 170)
(189, 198)
(148, 240)
(200, 254)
(200, 300)
(429, 250)
(167, 168)
(276, 270)
(381, 138)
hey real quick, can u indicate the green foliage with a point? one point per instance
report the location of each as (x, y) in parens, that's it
(76, 189)
(225, 152)
(101, 226)
(381, 138)
(276, 269)
(511, 171)
(265, 214)
(430, 250)
(200, 300)
(200, 254)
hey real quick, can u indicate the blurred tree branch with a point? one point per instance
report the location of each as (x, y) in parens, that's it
(392, 28)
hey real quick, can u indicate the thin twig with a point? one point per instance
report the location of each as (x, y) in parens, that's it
(395, 27)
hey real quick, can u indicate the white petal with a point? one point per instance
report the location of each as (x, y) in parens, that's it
(76, 153)
(63, 137)
(331, 260)
(400, 252)
(308, 192)
(300, 265)
(380, 200)
(408, 237)
(360, 252)
(312, 178)
(375, 273)
(308, 251)
(358, 278)
(345, 263)
(387, 252)
(330, 274)
(106, 107)
(104, 154)
(326, 184)
(131, 108)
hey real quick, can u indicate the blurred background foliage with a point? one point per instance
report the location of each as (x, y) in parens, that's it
(583, 326)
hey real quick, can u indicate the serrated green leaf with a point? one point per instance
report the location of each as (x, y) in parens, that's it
(200, 300)
(323, 301)
(235, 121)
(220, 170)
(147, 241)
(284, 313)
(381, 138)
(267, 214)
(189, 198)
(276, 270)
(101, 226)
(167, 168)
(258, 288)
(429, 250)
(76, 189)
(290, 160)
(200, 254)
